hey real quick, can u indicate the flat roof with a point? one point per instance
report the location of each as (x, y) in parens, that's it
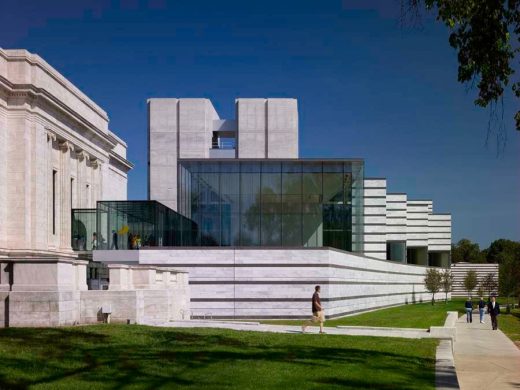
(208, 160)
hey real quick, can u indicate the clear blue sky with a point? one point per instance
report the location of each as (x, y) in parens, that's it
(366, 87)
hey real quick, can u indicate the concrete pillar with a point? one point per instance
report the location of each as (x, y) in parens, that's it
(251, 128)
(163, 138)
(282, 128)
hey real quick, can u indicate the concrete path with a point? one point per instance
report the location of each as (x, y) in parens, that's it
(484, 358)
(340, 330)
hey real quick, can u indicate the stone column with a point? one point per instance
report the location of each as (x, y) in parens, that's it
(65, 207)
(3, 177)
(40, 190)
(51, 238)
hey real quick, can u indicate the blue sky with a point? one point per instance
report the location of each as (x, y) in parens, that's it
(366, 87)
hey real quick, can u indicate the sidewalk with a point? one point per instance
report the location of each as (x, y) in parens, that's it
(343, 330)
(484, 358)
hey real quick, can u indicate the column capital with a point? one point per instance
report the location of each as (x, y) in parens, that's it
(51, 136)
(65, 146)
(82, 155)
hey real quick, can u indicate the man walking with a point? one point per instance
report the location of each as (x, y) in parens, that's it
(469, 310)
(494, 311)
(481, 308)
(318, 314)
(114, 240)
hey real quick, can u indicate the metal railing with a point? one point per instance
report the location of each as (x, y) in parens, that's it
(221, 143)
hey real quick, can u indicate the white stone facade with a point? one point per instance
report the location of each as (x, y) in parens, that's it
(56, 153)
(278, 283)
(460, 270)
(191, 128)
(392, 217)
(54, 293)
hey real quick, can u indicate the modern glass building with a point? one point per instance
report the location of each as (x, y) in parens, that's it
(273, 203)
(130, 225)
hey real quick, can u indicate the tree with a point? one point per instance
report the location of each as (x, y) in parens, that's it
(509, 275)
(489, 283)
(485, 35)
(500, 246)
(446, 283)
(432, 282)
(466, 251)
(470, 281)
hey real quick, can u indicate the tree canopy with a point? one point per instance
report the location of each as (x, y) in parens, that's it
(486, 35)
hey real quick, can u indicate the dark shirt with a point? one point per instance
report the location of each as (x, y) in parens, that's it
(481, 304)
(493, 312)
(468, 305)
(316, 303)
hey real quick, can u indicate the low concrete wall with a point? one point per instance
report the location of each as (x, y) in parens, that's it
(53, 293)
(279, 283)
(163, 295)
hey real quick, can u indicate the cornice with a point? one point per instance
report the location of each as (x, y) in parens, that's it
(37, 61)
(33, 94)
(127, 165)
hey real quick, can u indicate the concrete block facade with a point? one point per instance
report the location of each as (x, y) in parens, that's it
(278, 283)
(192, 129)
(392, 217)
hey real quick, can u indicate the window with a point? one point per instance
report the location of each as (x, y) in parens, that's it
(54, 176)
(72, 194)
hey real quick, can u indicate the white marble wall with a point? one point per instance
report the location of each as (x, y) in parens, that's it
(268, 283)
(375, 217)
(46, 125)
(394, 217)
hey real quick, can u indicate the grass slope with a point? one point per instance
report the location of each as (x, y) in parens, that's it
(420, 315)
(139, 357)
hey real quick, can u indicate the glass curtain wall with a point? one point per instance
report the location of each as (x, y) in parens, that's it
(290, 203)
(137, 224)
(83, 229)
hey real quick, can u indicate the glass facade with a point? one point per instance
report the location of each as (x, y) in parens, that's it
(396, 251)
(273, 203)
(83, 229)
(137, 224)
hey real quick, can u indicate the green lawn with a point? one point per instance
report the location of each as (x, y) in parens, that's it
(510, 325)
(419, 315)
(139, 357)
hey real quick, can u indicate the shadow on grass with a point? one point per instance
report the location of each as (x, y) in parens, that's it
(115, 357)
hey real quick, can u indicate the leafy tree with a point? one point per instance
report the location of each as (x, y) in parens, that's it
(509, 275)
(446, 283)
(501, 246)
(489, 283)
(470, 281)
(432, 282)
(485, 34)
(466, 251)
(480, 291)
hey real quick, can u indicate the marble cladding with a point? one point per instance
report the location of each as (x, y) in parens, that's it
(269, 283)
(394, 217)
(54, 293)
(47, 125)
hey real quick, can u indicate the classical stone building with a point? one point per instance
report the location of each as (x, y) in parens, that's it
(56, 153)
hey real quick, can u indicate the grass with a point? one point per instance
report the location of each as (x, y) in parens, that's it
(510, 325)
(419, 315)
(139, 357)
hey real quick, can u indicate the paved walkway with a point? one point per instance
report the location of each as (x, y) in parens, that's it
(343, 330)
(484, 358)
